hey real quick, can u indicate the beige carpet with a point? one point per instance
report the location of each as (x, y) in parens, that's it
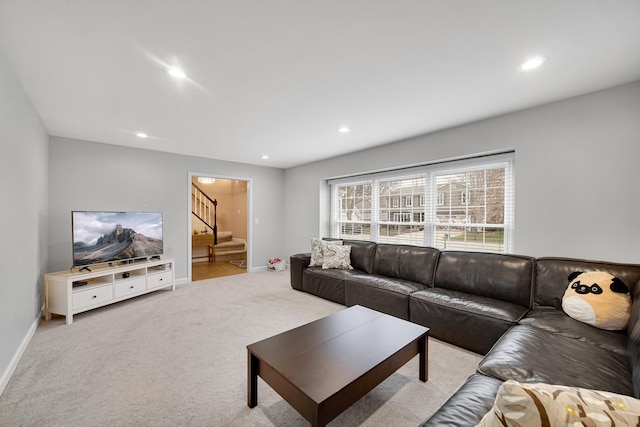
(180, 359)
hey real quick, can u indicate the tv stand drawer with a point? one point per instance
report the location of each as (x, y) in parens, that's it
(129, 287)
(159, 279)
(91, 297)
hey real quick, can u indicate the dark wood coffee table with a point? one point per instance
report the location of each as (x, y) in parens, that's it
(325, 366)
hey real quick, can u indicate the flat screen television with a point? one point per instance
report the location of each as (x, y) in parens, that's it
(100, 237)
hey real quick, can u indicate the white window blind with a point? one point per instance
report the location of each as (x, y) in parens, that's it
(465, 205)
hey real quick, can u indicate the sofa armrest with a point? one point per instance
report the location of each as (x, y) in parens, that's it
(468, 405)
(297, 264)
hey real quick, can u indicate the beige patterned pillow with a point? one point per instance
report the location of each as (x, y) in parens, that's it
(537, 405)
(335, 256)
(316, 250)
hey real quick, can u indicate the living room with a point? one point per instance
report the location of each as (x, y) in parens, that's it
(575, 170)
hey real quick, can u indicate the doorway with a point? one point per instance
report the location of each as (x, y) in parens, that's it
(219, 233)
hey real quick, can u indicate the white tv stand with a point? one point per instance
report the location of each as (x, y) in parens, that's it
(104, 285)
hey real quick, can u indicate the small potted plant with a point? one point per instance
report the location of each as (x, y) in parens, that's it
(276, 264)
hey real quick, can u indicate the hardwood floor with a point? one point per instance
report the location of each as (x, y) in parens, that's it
(208, 270)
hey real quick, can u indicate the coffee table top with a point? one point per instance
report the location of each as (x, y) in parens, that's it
(346, 344)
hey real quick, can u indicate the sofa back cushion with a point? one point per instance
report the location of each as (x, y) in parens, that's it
(414, 263)
(503, 277)
(552, 277)
(361, 253)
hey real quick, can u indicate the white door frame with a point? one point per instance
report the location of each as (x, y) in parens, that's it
(249, 182)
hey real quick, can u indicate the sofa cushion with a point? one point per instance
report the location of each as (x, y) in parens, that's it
(532, 355)
(328, 284)
(362, 254)
(413, 263)
(390, 296)
(316, 251)
(474, 304)
(336, 256)
(468, 404)
(558, 322)
(470, 321)
(552, 273)
(405, 287)
(550, 405)
(501, 277)
(597, 299)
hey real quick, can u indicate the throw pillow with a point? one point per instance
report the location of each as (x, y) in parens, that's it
(598, 299)
(335, 256)
(537, 405)
(316, 250)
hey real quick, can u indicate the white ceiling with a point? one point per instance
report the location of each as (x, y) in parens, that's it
(278, 77)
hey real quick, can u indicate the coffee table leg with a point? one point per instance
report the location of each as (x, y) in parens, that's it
(318, 416)
(423, 344)
(252, 380)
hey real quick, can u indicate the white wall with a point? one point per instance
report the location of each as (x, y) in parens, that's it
(23, 191)
(577, 175)
(91, 176)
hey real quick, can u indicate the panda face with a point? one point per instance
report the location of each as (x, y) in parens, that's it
(584, 289)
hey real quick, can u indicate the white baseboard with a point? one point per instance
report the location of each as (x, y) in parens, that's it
(182, 281)
(6, 375)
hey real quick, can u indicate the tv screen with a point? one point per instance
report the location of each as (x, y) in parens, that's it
(100, 237)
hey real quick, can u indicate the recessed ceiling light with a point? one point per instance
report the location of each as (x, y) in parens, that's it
(142, 135)
(532, 63)
(265, 157)
(344, 129)
(176, 72)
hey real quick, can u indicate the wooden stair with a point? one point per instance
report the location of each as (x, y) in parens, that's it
(227, 249)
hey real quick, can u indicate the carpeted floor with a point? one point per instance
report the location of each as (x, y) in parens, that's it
(180, 359)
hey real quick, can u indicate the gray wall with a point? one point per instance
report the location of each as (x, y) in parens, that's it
(92, 176)
(23, 192)
(577, 171)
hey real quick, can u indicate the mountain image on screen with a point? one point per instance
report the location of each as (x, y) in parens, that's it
(120, 244)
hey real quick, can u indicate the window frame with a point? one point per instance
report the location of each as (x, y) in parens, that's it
(426, 214)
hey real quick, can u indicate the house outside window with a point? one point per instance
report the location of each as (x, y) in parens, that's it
(465, 205)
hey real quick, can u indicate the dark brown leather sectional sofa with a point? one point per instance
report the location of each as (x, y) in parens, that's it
(506, 307)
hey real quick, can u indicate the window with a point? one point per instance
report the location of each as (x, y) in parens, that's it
(465, 205)
(464, 196)
(408, 201)
(401, 217)
(354, 210)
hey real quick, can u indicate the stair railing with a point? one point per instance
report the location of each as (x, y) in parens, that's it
(205, 209)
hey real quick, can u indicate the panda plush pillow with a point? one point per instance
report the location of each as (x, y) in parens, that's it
(598, 299)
